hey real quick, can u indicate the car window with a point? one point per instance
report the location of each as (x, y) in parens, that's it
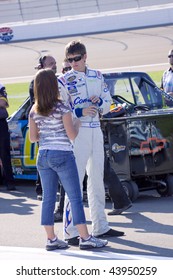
(135, 89)
(146, 94)
(23, 111)
(121, 87)
(139, 99)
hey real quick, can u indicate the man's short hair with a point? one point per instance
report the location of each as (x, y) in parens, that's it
(75, 47)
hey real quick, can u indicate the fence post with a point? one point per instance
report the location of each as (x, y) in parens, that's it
(20, 8)
(138, 3)
(98, 6)
(58, 9)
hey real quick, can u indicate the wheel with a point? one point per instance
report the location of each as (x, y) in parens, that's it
(131, 189)
(168, 189)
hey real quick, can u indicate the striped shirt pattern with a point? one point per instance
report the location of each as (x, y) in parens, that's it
(52, 134)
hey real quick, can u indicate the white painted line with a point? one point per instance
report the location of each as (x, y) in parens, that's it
(21, 253)
(130, 68)
(116, 69)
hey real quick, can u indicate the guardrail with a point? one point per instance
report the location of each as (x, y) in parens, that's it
(25, 10)
(87, 24)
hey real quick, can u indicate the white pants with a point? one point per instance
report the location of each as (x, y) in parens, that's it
(89, 153)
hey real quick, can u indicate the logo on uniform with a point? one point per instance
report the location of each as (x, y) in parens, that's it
(72, 89)
(116, 148)
(6, 34)
(71, 79)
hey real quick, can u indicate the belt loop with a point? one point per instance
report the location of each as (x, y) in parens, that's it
(90, 124)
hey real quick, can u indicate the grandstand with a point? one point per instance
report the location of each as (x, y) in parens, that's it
(25, 10)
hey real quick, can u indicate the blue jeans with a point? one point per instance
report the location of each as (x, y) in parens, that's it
(52, 166)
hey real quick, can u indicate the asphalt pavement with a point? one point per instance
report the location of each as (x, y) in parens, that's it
(130, 50)
(148, 227)
(148, 224)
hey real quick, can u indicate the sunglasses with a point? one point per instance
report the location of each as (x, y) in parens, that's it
(75, 58)
(65, 69)
(171, 55)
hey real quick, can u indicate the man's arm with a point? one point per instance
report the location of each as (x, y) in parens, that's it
(105, 97)
(31, 92)
(3, 97)
(64, 92)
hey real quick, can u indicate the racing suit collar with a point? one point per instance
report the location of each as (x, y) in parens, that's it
(81, 72)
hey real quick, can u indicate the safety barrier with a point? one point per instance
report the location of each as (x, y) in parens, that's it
(114, 20)
(28, 10)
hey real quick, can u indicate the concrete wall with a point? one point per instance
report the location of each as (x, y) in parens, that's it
(27, 10)
(103, 22)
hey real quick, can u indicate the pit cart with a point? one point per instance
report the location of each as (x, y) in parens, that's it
(138, 134)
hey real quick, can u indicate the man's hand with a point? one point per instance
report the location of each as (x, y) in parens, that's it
(90, 111)
(170, 93)
(95, 99)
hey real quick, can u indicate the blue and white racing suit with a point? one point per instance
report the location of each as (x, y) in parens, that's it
(77, 88)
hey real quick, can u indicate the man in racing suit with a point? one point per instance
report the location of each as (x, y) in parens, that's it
(46, 61)
(88, 96)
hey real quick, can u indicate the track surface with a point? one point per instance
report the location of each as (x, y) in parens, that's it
(142, 49)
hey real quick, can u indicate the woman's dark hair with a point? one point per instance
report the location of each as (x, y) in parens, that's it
(46, 91)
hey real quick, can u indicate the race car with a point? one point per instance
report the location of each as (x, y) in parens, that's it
(138, 135)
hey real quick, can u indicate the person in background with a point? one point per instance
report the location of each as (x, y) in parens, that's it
(51, 124)
(46, 61)
(65, 66)
(120, 200)
(167, 79)
(88, 95)
(5, 157)
(58, 214)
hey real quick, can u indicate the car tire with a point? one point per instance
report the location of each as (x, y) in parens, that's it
(168, 189)
(131, 189)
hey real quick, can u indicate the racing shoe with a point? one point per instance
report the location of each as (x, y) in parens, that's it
(120, 210)
(110, 233)
(10, 186)
(39, 197)
(56, 244)
(91, 242)
(74, 241)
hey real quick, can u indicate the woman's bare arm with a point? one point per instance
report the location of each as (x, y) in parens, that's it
(33, 131)
(71, 125)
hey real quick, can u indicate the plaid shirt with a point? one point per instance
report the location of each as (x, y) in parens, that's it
(167, 81)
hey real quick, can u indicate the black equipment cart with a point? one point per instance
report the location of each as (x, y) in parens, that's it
(138, 134)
